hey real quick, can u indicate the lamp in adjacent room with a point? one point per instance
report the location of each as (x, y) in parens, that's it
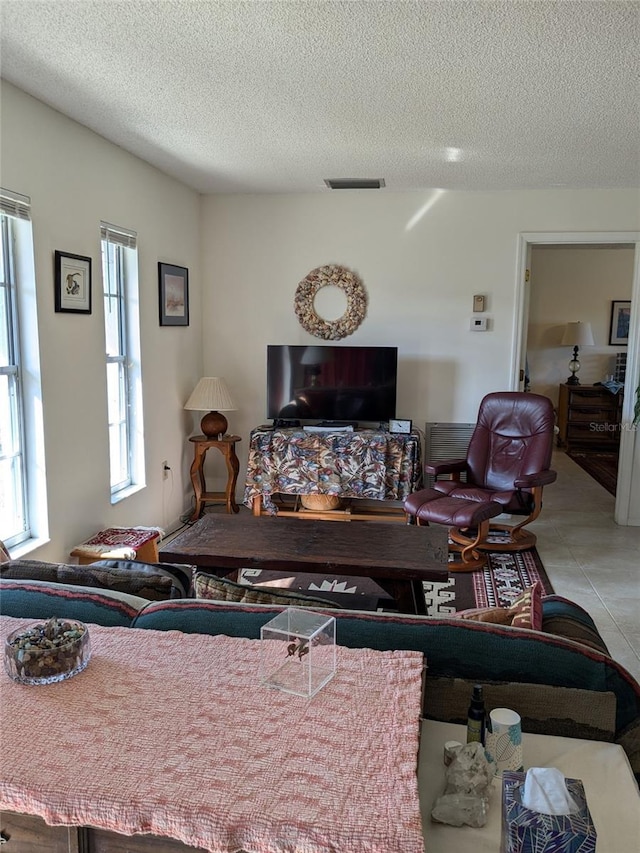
(313, 358)
(211, 395)
(576, 335)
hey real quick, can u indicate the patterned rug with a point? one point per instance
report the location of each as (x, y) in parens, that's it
(497, 585)
(603, 467)
(504, 578)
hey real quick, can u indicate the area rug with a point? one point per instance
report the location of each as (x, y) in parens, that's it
(503, 579)
(603, 467)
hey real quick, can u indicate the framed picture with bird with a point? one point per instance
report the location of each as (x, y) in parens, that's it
(72, 283)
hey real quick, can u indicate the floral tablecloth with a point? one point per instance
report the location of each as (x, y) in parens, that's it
(371, 464)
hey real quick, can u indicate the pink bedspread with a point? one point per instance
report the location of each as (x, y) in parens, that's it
(172, 734)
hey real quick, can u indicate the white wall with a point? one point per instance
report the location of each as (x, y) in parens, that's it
(76, 179)
(421, 257)
(570, 283)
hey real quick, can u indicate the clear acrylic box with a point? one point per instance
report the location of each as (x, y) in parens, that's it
(298, 651)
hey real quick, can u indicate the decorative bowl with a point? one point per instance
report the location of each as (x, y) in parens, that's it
(320, 502)
(47, 651)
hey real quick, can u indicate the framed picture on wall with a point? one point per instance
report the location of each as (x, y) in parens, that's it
(620, 317)
(173, 283)
(72, 283)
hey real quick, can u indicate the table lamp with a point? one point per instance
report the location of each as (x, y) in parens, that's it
(211, 395)
(313, 358)
(576, 335)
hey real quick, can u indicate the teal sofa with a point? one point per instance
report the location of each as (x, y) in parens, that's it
(558, 685)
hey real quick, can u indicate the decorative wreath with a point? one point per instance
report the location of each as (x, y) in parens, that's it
(331, 330)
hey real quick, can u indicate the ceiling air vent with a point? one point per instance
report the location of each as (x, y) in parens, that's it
(354, 183)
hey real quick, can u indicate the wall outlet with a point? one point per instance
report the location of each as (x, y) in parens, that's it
(165, 470)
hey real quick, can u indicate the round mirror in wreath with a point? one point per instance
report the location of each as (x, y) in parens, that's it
(349, 284)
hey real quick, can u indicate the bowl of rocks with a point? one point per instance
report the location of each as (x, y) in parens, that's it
(47, 651)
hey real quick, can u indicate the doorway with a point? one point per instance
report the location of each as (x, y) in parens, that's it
(629, 448)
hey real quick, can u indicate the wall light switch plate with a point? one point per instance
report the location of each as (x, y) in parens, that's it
(478, 303)
(400, 426)
(478, 324)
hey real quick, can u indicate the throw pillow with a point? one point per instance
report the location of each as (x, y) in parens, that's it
(221, 589)
(179, 573)
(525, 612)
(4, 554)
(145, 583)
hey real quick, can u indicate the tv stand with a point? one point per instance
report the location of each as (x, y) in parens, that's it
(366, 469)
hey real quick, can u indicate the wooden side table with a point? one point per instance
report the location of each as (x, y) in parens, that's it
(227, 446)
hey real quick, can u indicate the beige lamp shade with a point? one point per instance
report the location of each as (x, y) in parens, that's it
(211, 395)
(576, 335)
(315, 355)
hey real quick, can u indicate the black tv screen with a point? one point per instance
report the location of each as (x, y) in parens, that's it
(331, 383)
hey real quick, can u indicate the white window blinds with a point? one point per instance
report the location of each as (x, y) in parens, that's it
(119, 235)
(14, 204)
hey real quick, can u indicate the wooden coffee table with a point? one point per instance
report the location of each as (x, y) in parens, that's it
(397, 557)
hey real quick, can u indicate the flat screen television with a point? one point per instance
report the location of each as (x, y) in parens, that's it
(331, 383)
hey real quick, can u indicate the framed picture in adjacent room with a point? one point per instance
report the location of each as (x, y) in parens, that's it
(174, 295)
(620, 317)
(72, 283)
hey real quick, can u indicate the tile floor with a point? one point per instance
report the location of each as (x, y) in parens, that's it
(592, 560)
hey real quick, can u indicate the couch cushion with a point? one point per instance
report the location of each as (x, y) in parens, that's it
(525, 612)
(145, 581)
(36, 599)
(221, 589)
(202, 616)
(544, 709)
(567, 619)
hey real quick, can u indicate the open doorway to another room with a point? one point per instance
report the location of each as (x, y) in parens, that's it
(592, 285)
(592, 279)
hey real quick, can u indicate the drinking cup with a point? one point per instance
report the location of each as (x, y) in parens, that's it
(503, 742)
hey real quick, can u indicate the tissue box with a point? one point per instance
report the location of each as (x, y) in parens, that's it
(526, 831)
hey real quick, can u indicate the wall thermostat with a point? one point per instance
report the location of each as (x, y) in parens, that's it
(478, 303)
(399, 426)
(478, 324)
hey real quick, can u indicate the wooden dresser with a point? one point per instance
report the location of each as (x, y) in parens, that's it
(589, 418)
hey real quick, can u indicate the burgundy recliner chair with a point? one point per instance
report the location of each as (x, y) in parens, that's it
(506, 467)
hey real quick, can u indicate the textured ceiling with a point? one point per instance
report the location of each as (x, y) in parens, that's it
(277, 96)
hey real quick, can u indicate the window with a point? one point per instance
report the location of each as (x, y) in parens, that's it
(13, 510)
(22, 472)
(122, 336)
